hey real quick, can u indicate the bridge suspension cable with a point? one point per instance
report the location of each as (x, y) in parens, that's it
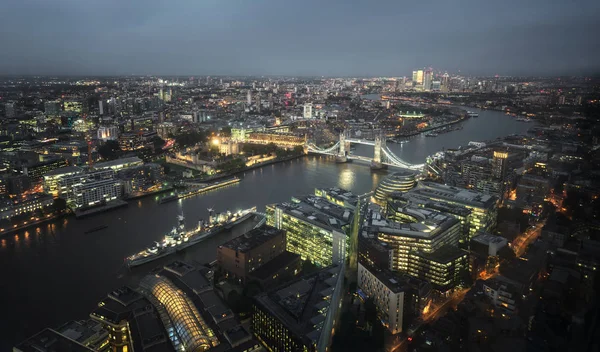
(329, 150)
(399, 162)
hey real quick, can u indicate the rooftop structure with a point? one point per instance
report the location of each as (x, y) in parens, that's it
(49, 340)
(298, 315)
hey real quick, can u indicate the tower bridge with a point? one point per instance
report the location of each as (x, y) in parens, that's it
(382, 155)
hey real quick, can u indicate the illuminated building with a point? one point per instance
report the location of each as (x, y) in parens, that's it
(444, 268)
(315, 229)
(165, 129)
(229, 147)
(36, 170)
(415, 229)
(420, 75)
(180, 315)
(483, 207)
(499, 164)
(338, 196)
(249, 97)
(52, 178)
(501, 294)
(244, 256)
(308, 111)
(114, 312)
(22, 205)
(401, 181)
(73, 106)
(282, 140)
(86, 189)
(300, 315)
(398, 298)
(108, 133)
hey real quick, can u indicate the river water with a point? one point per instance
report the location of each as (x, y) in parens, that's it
(57, 272)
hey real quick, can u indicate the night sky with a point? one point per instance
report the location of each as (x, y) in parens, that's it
(326, 37)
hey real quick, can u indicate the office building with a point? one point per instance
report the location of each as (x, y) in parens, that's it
(308, 111)
(299, 316)
(245, 255)
(398, 298)
(401, 181)
(108, 133)
(249, 98)
(483, 207)
(445, 268)
(100, 107)
(9, 110)
(35, 170)
(427, 79)
(52, 108)
(338, 196)
(400, 200)
(315, 229)
(86, 189)
(501, 294)
(119, 164)
(414, 229)
(487, 245)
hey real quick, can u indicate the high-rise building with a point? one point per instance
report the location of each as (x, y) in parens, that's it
(499, 164)
(420, 74)
(308, 111)
(106, 133)
(315, 228)
(445, 268)
(415, 76)
(52, 108)
(249, 97)
(100, 107)
(9, 110)
(427, 79)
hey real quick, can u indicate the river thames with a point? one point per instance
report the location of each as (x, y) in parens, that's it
(57, 272)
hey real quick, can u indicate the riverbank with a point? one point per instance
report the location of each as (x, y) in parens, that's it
(257, 166)
(463, 118)
(28, 224)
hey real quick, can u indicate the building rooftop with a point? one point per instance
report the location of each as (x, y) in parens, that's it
(444, 254)
(118, 162)
(275, 264)
(298, 303)
(339, 195)
(427, 223)
(64, 170)
(437, 191)
(488, 238)
(253, 238)
(318, 211)
(49, 340)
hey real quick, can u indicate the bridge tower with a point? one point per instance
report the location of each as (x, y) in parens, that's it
(344, 149)
(379, 144)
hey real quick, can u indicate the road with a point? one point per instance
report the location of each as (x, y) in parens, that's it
(519, 245)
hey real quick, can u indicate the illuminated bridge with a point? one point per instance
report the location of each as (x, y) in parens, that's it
(382, 154)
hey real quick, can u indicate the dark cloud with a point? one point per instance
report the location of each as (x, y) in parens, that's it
(384, 37)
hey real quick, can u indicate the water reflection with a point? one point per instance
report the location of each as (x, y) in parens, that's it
(346, 179)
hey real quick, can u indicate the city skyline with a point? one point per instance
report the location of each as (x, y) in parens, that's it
(268, 38)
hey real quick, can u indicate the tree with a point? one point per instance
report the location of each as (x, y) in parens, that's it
(59, 204)
(190, 138)
(157, 142)
(109, 150)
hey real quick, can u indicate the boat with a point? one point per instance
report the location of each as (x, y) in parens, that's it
(431, 134)
(170, 198)
(97, 228)
(179, 239)
(472, 114)
(209, 187)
